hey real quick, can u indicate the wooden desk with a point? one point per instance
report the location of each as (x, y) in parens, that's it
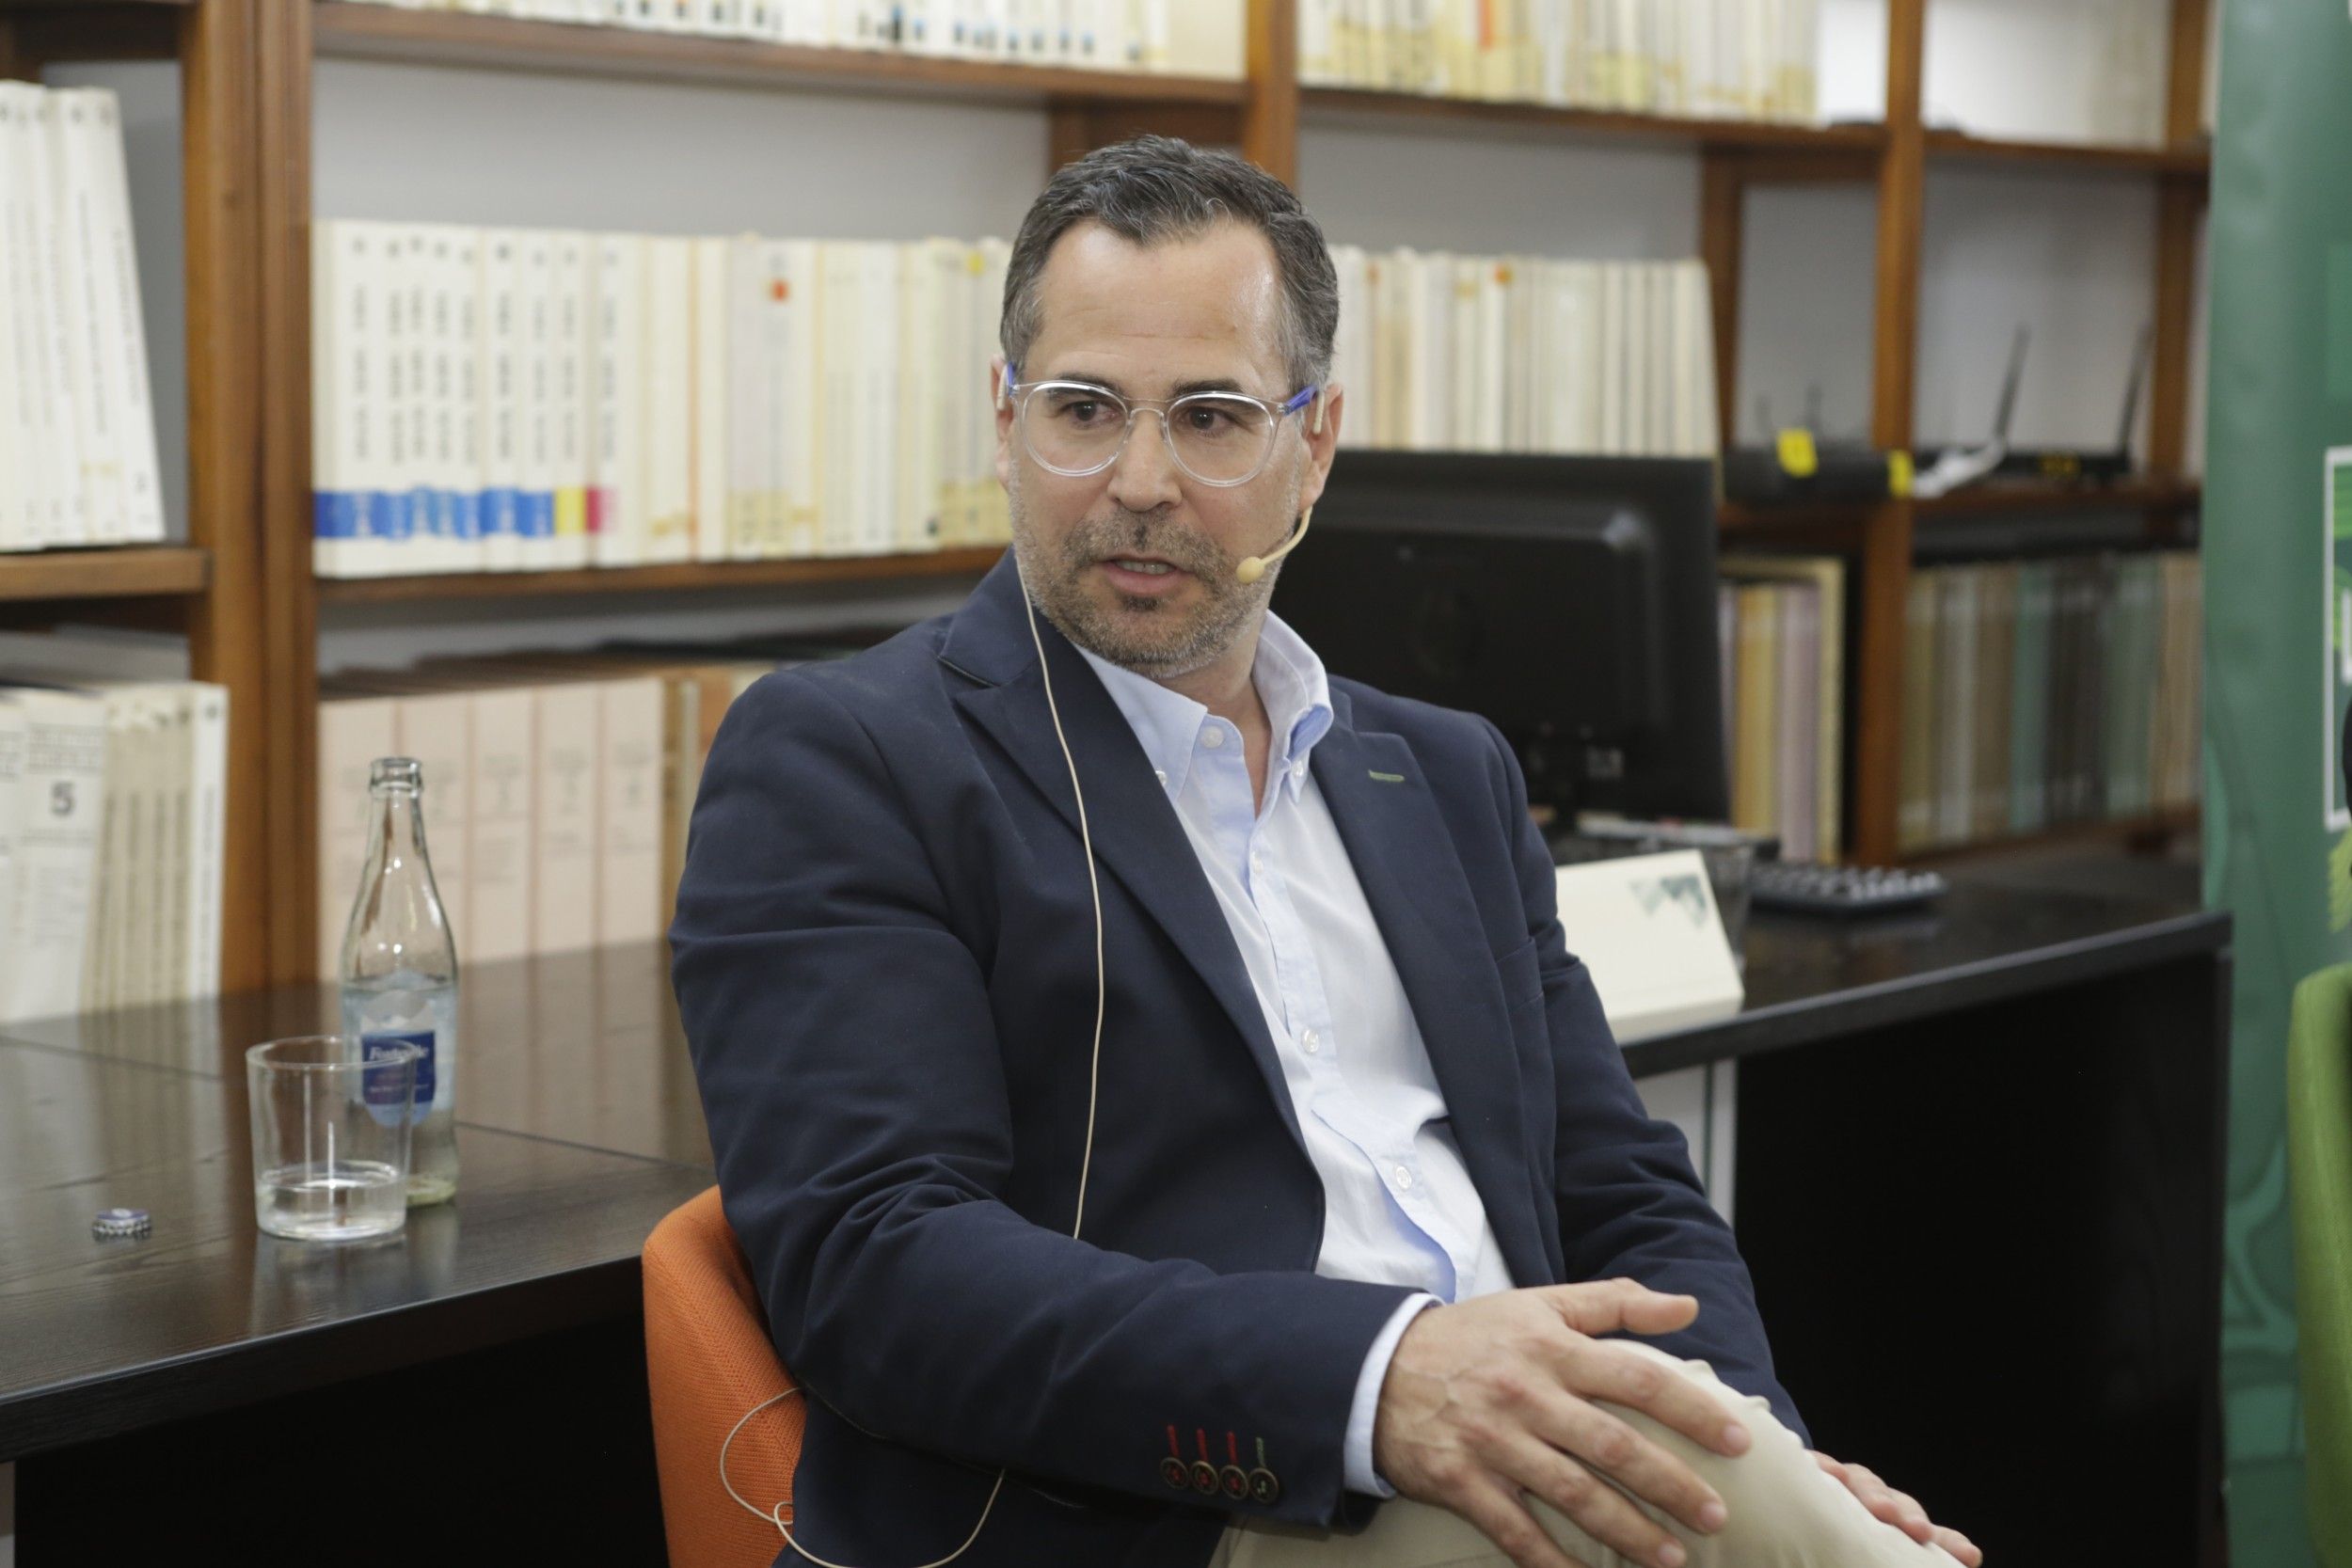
(1980, 1159)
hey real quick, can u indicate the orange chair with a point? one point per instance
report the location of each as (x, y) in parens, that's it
(709, 1360)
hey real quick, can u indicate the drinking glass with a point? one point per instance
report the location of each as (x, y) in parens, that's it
(330, 1135)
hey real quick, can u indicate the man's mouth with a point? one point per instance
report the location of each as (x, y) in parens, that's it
(1144, 565)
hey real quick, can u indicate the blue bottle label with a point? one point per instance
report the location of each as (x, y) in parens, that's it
(387, 1092)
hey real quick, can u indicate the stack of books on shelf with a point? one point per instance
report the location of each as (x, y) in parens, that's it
(77, 431)
(558, 786)
(1782, 622)
(1730, 59)
(2039, 693)
(1523, 354)
(1188, 38)
(113, 784)
(528, 400)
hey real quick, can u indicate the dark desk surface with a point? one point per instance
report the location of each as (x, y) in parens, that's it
(581, 1128)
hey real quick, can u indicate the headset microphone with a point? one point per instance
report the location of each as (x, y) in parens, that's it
(1253, 567)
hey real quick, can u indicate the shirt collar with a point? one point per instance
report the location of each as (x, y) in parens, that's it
(1291, 681)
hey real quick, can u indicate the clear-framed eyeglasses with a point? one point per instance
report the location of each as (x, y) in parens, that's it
(1074, 428)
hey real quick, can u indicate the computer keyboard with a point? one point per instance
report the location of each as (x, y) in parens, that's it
(1809, 889)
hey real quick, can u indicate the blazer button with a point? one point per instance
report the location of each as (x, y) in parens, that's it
(1173, 1472)
(1204, 1478)
(1263, 1488)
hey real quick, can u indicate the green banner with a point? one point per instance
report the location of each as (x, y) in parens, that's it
(2278, 553)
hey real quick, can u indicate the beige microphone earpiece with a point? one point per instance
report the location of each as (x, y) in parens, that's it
(1253, 567)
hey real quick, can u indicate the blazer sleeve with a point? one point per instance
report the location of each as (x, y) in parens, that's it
(851, 1074)
(1630, 1204)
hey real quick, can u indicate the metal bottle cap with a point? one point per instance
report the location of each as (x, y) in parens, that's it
(120, 1222)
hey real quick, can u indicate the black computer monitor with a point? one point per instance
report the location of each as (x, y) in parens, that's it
(1572, 600)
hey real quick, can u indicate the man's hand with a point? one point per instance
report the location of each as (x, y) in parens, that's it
(1901, 1510)
(1494, 1397)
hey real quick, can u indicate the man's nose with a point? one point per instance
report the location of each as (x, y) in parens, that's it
(1144, 477)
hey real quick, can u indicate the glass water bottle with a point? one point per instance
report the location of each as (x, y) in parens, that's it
(398, 971)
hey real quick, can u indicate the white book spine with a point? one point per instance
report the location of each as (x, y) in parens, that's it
(628, 867)
(669, 413)
(466, 480)
(615, 497)
(401, 541)
(56, 849)
(569, 731)
(878, 510)
(537, 420)
(568, 415)
(16, 451)
(54, 424)
(71, 125)
(34, 478)
(501, 860)
(747, 412)
(428, 542)
(370, 398)
(709, 398)
(501, 411)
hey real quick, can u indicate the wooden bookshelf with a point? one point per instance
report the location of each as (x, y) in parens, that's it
(681, 576)
(132, 572)
(242, 585)
(2153, 496)
(349, 30)
(1961, 146)
(1427, 111)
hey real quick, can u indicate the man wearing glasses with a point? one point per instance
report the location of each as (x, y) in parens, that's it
(1146, 1074)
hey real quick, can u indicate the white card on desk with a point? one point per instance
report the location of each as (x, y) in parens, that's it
(1648, 928)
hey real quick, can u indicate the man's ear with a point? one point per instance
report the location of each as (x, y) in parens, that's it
(1003, 405)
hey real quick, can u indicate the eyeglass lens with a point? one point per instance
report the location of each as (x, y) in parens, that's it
(1215, 437)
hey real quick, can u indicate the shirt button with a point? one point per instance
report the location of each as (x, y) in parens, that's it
(1312, 1041)
(1403, 1179)
(1213, 737)
(1160, 774)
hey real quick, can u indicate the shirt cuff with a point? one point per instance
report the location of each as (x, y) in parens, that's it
(1360, 1474)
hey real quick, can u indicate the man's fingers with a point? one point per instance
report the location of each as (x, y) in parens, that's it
(1500, 1516)
(1610, 1306)
(1632, 1461)
(1597, 1508)
(1615, 1371)
(1960, 1546)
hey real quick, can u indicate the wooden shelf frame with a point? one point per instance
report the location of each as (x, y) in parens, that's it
(129, 572)
(243, 584)
(680, 576)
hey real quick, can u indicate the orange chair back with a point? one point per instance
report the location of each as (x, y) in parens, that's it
(709, 1360)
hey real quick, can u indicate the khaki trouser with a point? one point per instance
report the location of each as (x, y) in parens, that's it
(1785, 1512)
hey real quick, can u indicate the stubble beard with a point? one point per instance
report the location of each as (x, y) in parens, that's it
(1152, 637)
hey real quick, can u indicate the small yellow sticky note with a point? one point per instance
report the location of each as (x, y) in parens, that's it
(1797, 458)
(1899, 473)
(975, 264)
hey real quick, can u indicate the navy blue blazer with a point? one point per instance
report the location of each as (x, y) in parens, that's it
(884, 959)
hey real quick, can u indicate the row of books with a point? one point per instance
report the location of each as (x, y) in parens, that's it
(1447, 353)
(113, 785)
(558, 786)
(2042, 692)
(1782, 625)
(1737, 59)
(77, 428)
(519, 400)
(1191, 38)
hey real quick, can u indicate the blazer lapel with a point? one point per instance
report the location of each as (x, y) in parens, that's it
(1136, 833)
(1420, 899)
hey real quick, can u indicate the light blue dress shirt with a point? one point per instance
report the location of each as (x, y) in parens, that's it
(1399, 1205)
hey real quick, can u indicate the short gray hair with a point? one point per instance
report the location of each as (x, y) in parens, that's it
(1151, 189)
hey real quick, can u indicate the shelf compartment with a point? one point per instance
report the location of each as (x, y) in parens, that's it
(2142, 833)
(1961, 146)
(348, 29)
(1362, 105)
(684, 575)
(114, 572)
